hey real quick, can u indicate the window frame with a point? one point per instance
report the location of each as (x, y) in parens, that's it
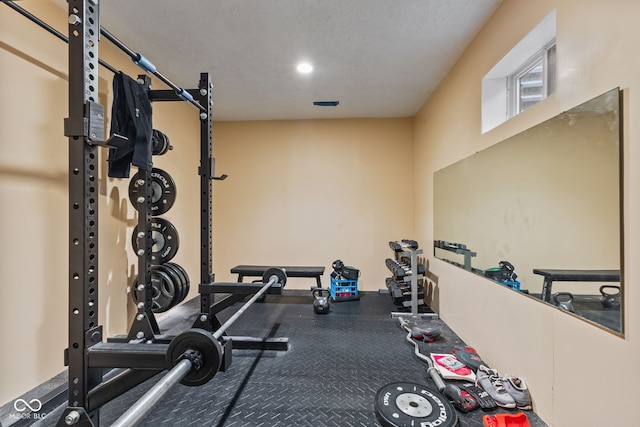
(513, 79)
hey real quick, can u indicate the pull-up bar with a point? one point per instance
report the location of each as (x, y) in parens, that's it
(148, 66)
(137, 58)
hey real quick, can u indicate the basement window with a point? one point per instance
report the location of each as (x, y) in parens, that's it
(523, 77)
(533, 81)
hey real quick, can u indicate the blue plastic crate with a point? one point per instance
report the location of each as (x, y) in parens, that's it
(512, 284)
(344, 290)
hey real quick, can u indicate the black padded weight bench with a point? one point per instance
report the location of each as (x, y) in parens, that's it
(258, 270)
(551, 276)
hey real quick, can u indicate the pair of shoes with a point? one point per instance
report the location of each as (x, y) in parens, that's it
(508, 391)
(491, 382)
(517, 388)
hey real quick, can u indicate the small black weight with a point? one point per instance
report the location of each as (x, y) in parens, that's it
(165, 240)
(610, 300)
(407, 404)
(321, 301)
(160, 143)
(163, 191)
(203, 342)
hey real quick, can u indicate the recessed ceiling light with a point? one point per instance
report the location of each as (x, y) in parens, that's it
(304, 68)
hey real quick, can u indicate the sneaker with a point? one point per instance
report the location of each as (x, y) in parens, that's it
(491, 382)
(517, 388)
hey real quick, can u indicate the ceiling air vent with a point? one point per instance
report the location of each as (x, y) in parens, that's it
(326, 103)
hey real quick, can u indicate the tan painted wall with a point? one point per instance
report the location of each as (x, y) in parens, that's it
(564, 360)
(311, 192)
(33, 201)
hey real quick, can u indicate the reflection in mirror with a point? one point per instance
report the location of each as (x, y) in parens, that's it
(540, 212)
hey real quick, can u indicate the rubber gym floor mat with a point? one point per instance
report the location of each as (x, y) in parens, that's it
(329, 376)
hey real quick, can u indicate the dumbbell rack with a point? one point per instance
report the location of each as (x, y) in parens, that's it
(410, 273)
(458, 248)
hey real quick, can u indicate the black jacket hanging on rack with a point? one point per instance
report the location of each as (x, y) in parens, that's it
(130, 117)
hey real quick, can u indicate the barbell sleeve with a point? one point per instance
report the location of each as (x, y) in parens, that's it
(146, 403)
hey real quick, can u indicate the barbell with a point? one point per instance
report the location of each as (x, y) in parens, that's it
(195, 356)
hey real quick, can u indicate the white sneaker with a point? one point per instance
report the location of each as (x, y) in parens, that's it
(489, 380)
(517, 388)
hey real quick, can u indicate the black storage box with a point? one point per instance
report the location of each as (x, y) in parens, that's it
(349, 273)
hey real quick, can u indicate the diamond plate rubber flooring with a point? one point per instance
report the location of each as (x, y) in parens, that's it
(328, 377)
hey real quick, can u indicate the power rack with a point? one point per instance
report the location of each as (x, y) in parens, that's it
(144, 351)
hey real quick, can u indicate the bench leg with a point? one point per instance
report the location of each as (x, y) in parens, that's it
(546, 290)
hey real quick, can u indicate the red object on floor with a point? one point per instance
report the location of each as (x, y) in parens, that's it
(506, 420)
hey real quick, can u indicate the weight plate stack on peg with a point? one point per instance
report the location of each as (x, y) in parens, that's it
(169, 281)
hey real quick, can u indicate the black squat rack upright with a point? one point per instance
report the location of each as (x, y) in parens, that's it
(194, 356)
(87, 355)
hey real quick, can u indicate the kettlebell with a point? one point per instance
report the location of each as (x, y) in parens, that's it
(321, 302)
(610, 300)
(564, 300)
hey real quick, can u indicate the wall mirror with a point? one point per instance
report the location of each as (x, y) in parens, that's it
(540, 212)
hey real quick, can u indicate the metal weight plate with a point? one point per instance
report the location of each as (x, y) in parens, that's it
(184, 278)
(163, 291)
(176, 279)
(280, 274)
(165, 240)
(166, 290)
(170, 267)
(407, 404)
(163, 191)
(159, 142)
(209, 348)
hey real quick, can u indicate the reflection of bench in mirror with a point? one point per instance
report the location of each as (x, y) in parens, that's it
(590, 307)
(458, 248)
(551, 276)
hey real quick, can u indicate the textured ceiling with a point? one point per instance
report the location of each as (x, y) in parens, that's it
(378, 58)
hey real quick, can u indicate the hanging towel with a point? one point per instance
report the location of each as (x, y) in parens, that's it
(130, 117)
